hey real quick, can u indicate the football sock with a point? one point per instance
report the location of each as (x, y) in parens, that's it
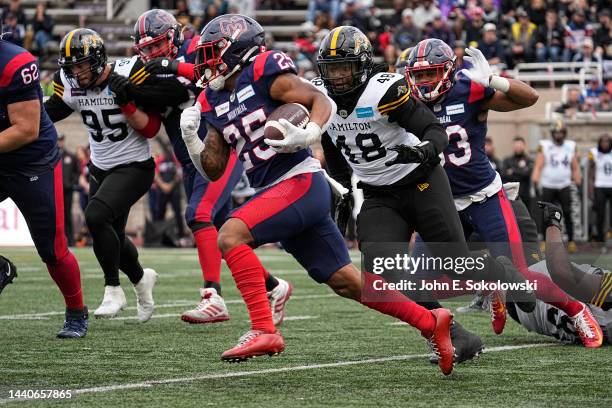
(208, 254)
(271, 281)
(248, 272)
(67, 276)
(214, 285)
(550, 293)
(397, 305)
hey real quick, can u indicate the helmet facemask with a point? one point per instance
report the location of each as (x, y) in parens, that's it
(343, 76)
(163, 45)
(430, 81)
(96, 68)
(210, 69)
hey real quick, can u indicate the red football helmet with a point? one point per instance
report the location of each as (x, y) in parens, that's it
(431, 65)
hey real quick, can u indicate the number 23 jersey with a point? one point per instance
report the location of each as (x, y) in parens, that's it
(364, 134)
(112, 140)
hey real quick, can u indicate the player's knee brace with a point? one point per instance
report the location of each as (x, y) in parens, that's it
(97, 214)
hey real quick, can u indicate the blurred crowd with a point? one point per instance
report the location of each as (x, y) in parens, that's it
(33, 33)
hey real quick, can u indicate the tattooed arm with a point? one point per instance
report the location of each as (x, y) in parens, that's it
(215, 155)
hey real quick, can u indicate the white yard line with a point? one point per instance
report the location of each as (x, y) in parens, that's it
(178, 303)
(152, 383)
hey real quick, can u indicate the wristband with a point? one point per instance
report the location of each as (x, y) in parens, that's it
(499, 83)
(129, 109)
(186, 70)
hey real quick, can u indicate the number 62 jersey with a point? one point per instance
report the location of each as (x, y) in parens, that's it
(365, 133)
(112, 140)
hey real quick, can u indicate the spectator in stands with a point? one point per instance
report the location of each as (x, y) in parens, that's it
(604, 104)
(586, 55)
(82, 153)
(407, 34)
(517, 168)
(13, 31)
(473, 31)
(491, 46)
(522, 37)
(46, 82)
(600, 182)
(42, 25)
(590, 94)
(575, 32)
(70, 178)
(168, 182)
(302, 62)
(537, 12)
(456, 22)
(425, 13)
(15, 8)
(460, 63)
(572, 105)
(353, 15)
(602, 38)
(490, 152)
(489, 12)
(439, 29)
(330, 7)
(390, 55)
(395, 18)
(549, 38)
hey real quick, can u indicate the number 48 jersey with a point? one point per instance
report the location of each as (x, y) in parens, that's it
(112, 140)
(364, 134)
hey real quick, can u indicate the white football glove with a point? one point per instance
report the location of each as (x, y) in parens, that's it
(481, 71)
(295, 138)
(190, 123)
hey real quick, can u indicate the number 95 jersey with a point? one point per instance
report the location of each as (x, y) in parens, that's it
(364, 134)
(112, 140)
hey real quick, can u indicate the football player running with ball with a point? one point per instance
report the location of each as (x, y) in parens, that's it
(372, 134)
(244, 85)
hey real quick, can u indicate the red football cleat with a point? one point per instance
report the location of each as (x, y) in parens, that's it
(498, 311)
(440, 340)
(588, 328)
(255, 343)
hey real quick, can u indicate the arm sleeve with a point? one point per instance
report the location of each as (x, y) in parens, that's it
(338, 168)
(412, 115)
(603, 298)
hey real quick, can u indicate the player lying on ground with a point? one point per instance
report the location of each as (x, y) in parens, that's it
(31, 175)
(244, 84)
(121, 168)
(594, 288)
(159, 42)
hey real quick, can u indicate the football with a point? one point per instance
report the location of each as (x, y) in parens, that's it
(293, 112)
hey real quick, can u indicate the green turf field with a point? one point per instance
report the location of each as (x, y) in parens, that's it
(338, 353)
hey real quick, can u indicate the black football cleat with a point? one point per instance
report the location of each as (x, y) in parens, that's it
(75, 325)
(467, 345)
(8, 272)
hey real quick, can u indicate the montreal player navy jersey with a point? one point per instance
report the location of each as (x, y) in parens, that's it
(240, 117)
(172, 121)
(19, 82)
(465, 161)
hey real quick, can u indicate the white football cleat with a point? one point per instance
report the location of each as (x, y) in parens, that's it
(144, 295)
(112, 303)
(211, 309)
(278, 297)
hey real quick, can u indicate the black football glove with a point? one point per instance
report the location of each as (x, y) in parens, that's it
(162, 66)
(343, 211)
(120, 86)
(552, 214)
(424, 152)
